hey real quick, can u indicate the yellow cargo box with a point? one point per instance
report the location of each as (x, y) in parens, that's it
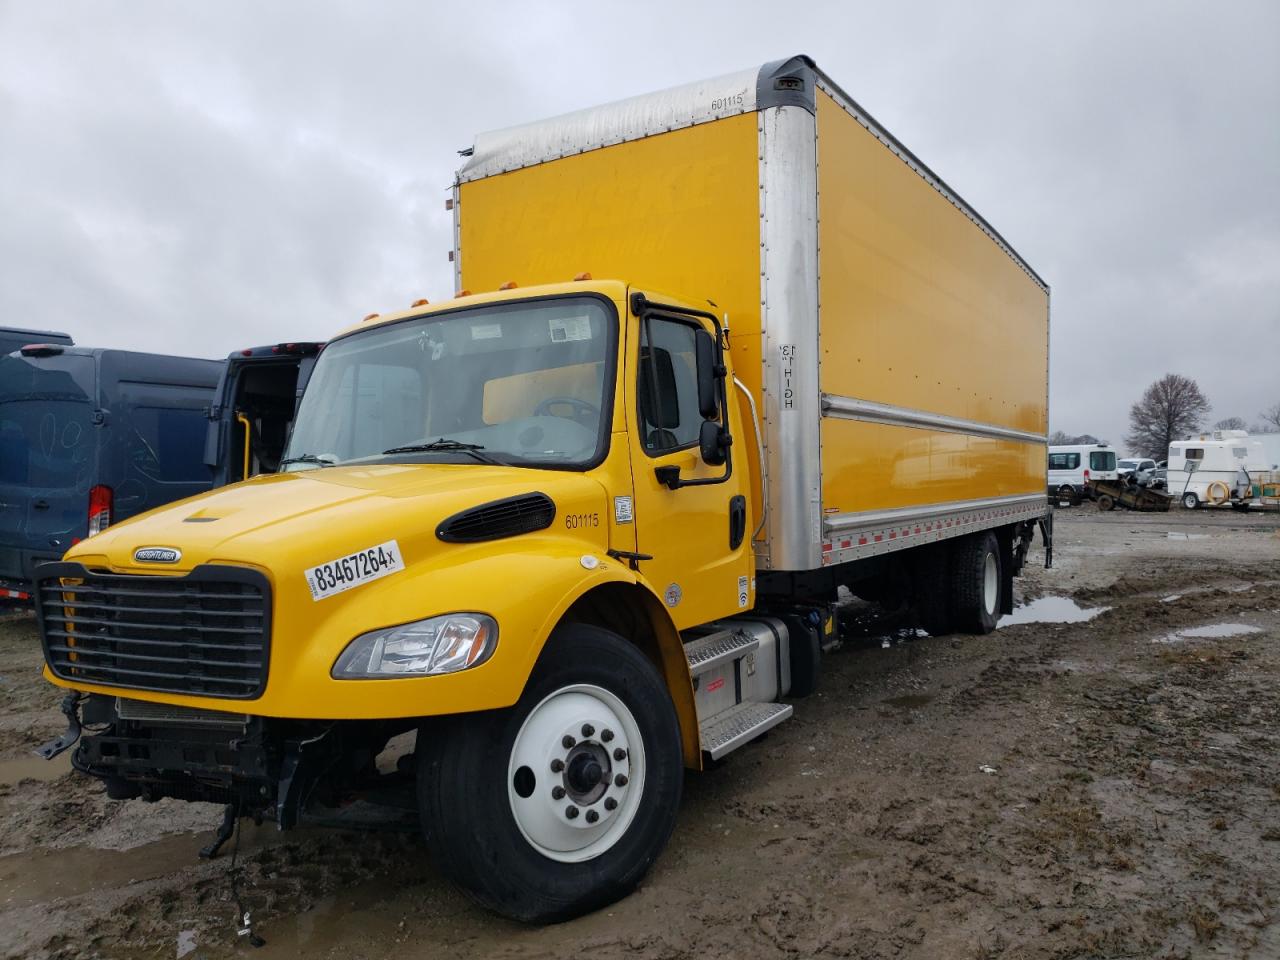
(894, 344)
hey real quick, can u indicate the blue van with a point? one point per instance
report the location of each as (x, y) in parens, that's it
(89, 437)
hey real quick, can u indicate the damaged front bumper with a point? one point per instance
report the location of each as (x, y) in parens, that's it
(265, 767)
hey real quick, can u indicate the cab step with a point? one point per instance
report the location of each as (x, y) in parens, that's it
(740, 724)
(716, 649)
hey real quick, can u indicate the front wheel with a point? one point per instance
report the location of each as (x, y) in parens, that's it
(560, 804)
(1106, 502)
(1190, 500)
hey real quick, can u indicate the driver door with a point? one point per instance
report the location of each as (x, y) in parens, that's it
(698, 536)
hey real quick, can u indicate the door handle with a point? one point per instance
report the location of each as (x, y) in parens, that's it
(40, 504)
(737, 521)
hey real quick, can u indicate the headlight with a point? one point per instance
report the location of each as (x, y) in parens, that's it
(436, 645)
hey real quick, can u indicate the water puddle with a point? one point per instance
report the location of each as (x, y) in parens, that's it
(1051, 610)
(912, 701)
(32, 767)
(1171, 598)
(43, 874)
(1212, 631)
(1177, 535)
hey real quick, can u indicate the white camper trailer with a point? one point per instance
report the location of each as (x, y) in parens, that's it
(1214, 468)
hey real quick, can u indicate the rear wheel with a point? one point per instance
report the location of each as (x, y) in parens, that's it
(560, 804)
(975, 583)
(1105, 502)
(1068, 493)
(1190, 500)
(932, 589)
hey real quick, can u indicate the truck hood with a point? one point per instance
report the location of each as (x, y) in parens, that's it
(282, 521)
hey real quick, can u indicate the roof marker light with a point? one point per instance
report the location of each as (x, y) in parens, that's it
(372, 316)
(420, 303)
(509, 285)
(462, 293)
(582, 276)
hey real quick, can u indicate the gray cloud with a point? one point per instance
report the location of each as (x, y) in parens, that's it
(195, 178)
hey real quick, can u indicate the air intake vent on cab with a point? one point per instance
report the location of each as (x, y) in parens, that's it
(499, 518)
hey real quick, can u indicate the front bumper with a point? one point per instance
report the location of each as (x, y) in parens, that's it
(268, 768)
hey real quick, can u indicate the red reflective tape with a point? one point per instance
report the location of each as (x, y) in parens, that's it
(878, 538)
(862, 541)
(846, 543)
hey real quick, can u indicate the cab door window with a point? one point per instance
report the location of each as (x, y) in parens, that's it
(669, 416)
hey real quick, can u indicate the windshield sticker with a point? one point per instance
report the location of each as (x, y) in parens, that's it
(564, 329)
(363, 566)
(486, 331)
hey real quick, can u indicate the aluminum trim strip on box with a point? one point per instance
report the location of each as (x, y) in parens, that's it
(870, 533)
(791, 396)
(851, 408)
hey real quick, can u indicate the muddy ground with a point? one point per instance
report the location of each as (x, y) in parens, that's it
(1108, 788)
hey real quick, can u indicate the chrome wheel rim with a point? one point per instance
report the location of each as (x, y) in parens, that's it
(576, 773)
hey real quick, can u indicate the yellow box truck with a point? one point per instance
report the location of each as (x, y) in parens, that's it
(582, 534)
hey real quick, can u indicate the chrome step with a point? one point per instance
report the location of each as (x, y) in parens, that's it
(713, 650)
(727, 731)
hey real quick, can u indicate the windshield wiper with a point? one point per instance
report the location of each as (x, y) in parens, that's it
(307, 458)
(446, 444)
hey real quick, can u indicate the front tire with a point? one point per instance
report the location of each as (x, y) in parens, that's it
(560, 804)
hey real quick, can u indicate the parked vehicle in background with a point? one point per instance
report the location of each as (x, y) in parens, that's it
(1138, 470)
(90, 437)
(252, 412)
(1072, 466)
(1214, 468)
(1160, 475)
(582, 533)
(14, 338)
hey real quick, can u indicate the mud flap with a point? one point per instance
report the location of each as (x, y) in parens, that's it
(1046, 532)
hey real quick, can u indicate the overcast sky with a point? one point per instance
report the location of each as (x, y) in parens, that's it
(195, 178)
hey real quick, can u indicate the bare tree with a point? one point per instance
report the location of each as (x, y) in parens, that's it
(1271, 417)
(1230, 423)
(1170, 408)
(1060, 438)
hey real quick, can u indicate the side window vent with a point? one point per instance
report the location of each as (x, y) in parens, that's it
(498, 519)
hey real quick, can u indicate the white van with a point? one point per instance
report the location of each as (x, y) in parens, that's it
(1214, 468)
(1072, 466)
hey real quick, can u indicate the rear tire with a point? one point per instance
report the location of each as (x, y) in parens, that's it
(1190, 500)
(975, 583)
(1105, 502)
(495, 789)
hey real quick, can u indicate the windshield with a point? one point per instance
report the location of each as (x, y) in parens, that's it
(519, 383)
(46, 430)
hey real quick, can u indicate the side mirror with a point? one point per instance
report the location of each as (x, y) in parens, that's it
(710, 370)
(713, 442)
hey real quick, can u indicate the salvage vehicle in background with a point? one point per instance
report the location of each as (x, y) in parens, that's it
(253, 409)
(583, 534)
(90, 437)
(1141, 472)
